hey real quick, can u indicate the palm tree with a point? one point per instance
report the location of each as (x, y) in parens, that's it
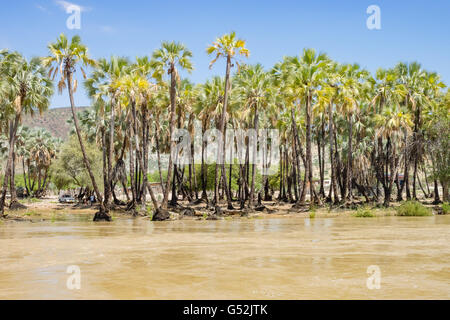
(328, 97)
(28, 88)
(42, 151)
(413, 78)
(63, 59)
(102, 88)
(136, 88)
(351, 93)
(206, 108)
(228, 47)
(305, 76)
(391, 125)
(254, 84)
(167, 58)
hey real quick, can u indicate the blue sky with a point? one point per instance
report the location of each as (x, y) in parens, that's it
(410, 30)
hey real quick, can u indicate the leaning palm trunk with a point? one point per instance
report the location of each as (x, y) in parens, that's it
(102, 214)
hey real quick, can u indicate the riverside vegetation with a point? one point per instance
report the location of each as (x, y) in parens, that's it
(378, 138)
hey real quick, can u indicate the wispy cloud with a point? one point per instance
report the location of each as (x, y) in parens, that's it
(107, 29)
(41, 8)
(66, 5)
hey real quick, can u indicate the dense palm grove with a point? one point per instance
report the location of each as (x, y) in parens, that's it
(376, 137)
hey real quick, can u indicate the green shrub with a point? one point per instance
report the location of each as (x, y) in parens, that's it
(364, 212)
(446, 208)
(413, 208)
(312, 214)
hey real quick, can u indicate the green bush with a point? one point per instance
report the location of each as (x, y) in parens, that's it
(364, 212)
(446, 208)
(413, 208)
(312, 214)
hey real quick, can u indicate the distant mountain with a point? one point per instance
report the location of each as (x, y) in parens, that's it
(54, 120)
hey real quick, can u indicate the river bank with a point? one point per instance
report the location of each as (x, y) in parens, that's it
(49, 209)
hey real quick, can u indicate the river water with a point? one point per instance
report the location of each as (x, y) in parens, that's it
(282, 258)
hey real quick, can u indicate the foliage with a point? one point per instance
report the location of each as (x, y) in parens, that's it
(364, 212)
(68, 171)
(413, 208)
(446, 208)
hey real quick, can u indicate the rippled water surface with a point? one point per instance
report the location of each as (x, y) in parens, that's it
(286, 258)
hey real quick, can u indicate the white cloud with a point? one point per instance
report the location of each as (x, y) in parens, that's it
(66, 4)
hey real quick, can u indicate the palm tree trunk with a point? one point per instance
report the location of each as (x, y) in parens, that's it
(145, 134)
(222, 130)
(12, 188)
(25, 177)
(173, 92)
(194, 171)
(333, 186)
(110, 156)
(6, 177)
(141, 158)
(104, 160)
(103, 214)
(313, 196)
(349, 195)
(321, 153)
(255, 147)
(132, 174)
(158, 154)
(445, 194)
(203, 173)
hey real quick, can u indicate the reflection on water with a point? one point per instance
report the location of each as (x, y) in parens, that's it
(291, 258)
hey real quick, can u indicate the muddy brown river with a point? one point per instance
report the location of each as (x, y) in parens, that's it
(283, 258)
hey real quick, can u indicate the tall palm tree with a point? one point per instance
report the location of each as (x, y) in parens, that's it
(254, 84)
(136, 88)
(350, 96)
(28, 87)
(102, 88)
(413, 78)
(64, 59)
(306, 74)
(168, 58)
(206, 108)
(228, 47)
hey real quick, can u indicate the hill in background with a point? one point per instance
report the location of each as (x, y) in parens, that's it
(54, 120)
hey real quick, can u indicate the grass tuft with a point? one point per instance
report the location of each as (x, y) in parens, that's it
(364, 212)
(413, 209)
(446, 208)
